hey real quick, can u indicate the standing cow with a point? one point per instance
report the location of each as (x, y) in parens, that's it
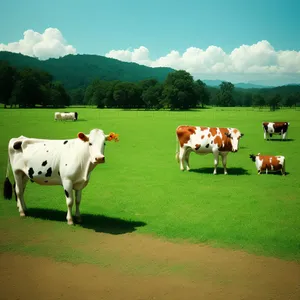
(271, 128)
(269, 163)
(55, 162)
(60, 116)
(204, 140)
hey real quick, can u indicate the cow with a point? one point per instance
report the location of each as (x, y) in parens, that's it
(47, 162)
(204, 140)
(271, 128)
(269, 163)
(65, 116)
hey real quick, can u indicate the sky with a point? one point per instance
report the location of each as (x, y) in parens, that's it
(238, 41)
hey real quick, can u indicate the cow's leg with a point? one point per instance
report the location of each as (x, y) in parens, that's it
(19, 190)
(284, 135)
(224, 162)
(265, 135)
(68, 187)
(187, 158)
(216, 161)
(181, 157)
(77, 200)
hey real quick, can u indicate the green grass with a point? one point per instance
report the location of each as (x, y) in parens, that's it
(140, 187)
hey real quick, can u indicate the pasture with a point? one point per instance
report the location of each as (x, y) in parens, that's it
(141, 189)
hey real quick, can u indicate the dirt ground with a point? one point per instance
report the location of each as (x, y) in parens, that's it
(182, 271)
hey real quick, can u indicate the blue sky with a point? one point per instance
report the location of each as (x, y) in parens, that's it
(160, 27)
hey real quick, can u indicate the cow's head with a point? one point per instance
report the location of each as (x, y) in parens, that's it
(96, 141)
(234, 135)
(253, 157)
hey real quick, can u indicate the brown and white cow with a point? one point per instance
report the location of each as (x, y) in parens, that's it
(271, 128)
(204, 140)
(266, 163)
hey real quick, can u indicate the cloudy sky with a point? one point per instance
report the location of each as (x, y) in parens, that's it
(234, 40)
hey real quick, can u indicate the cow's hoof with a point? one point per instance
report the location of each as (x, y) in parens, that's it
(78, 220)
(22, 214)
(70, 222)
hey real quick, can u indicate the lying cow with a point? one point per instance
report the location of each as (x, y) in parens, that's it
(204, 140)
(55, 162)
(269, 163)
(271, 128)
(65, 116)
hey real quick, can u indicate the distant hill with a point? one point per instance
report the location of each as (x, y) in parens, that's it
(79, 70)
(241, 85)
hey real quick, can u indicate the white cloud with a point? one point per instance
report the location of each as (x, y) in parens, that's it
(257, 59)
(41, 45)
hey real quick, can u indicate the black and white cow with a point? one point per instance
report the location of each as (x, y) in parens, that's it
(55, 162)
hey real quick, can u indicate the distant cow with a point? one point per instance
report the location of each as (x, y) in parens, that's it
(269, 163)
(271, 128)
(66, 116)
(55, 162)
(204, 140)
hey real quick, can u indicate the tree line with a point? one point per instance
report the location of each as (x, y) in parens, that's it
(28, 87)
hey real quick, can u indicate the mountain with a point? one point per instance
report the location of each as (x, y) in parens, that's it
(80, 70)
(241, 85)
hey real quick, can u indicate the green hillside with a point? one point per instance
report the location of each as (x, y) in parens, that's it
(79, 70)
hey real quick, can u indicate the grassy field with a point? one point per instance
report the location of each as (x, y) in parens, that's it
(140, 187)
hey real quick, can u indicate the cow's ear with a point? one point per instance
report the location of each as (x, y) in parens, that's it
(83, 137)
(112, 136)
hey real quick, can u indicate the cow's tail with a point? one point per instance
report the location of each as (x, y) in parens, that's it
(7, 190)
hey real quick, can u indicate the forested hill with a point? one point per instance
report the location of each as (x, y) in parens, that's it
(76, 71)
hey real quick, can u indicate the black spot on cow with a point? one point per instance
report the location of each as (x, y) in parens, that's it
(67, 194)
(49, 172)
(17, 145)
(207, 146)
(66, 164)
(47, 151)
(58, 173)
(44, 144)
(65, 142)
(44, 163)
(211, 142)
(39, 172)
(46, 181)
(30, 173)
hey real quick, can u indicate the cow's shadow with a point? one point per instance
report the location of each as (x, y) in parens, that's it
(220, 171)
(280, 140)
(99, 223)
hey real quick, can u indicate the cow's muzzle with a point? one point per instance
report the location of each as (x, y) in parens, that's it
(100, 159)
(234, 150)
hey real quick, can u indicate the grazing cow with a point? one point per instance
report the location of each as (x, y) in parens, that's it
(66, 116)
(55, 162)
(269, 163)
(271, 128)
(204, 140)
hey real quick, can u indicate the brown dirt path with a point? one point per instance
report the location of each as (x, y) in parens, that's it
(148, 268)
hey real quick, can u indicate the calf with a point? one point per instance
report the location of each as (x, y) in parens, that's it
(271, 128)
(269, 163)
(204, 140)
(55, 162)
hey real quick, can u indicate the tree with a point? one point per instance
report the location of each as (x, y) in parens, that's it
(258, 100)
(225, 94)
(7, 82)
(274, 101)
(178, 91)
(201, 93)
